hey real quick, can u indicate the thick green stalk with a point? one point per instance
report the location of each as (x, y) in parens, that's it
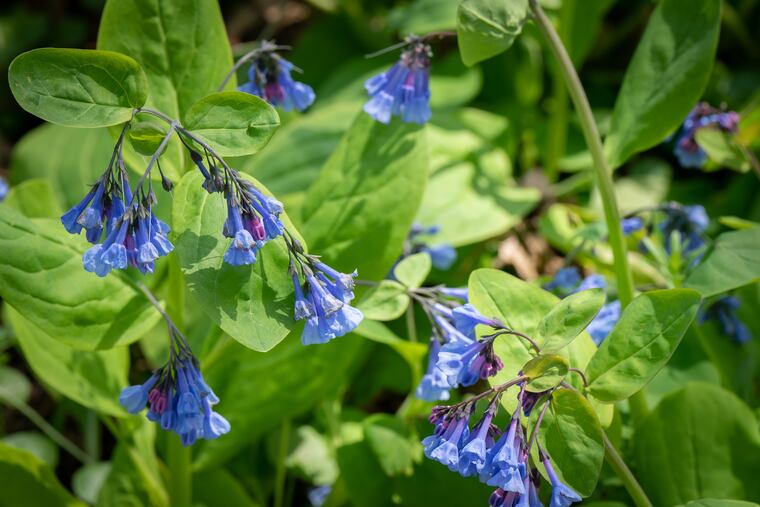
(633, 487)
(594, 142)
(178, 459)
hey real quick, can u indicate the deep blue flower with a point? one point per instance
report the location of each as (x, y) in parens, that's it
(318, 496)
(472, 458)
(243, 247)
(562, 494)
(455, 292)
(434, 385)
(604, 321)
(565, 280)
(269, 78)
(690, 222)
(450, 436)
(442, 255)
(134, 398)
(467, 317)
(3, 188)
(631, 225)
(724, 311)
(593, 281)
(324, 304)
(404, 89)
(505, 463)
(688, 152)
(90, 213)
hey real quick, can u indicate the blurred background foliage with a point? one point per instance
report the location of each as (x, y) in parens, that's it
(508, 185)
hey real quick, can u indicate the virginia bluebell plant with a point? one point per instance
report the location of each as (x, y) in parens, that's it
(686, 149)
(269, 78)
(442, 255)
(568, 281)
(403, 90)
(723, 310)
(497, 457)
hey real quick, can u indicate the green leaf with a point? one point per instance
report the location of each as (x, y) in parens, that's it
(34, 199)
(732, 263)
(358, 212)
(412, 270)
(36, 443)
(386, 301)
(93, 379)
(641, 343)
(545, 372)
(253, 304)
(78, 87)
(393, 448)
(486, 28)
(699, 442)
(67, 157)
(14, 385)
(182, 45)
(312, 457)
(234, 123)
(666, 77)
(25, 480)
(259, 390)
(712, 502)
(41, 276)
(88, 480)
(720, 149)
(412, 352)
(568, 319)
(219, 487)
(571, 434)
(146, 135)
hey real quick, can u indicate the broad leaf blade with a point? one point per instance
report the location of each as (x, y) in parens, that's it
(254, 303)
(641, 343)
(358, 212)
(568, 319)
(78, 87)
(732, 263)
(412, 270)
(486, 28)
(386, 301)
(41, 276)
(234, 123)
(666, 77)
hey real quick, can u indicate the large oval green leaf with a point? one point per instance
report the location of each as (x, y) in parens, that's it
(700, 442)
(41, 276)
(253, 304)
(234, 123)
(733, 262)
(78, 87)
(666, 77)
(641, 343)
(571, 434)
(93, 379)
(358, 212)
(568, 319)
(486, 28)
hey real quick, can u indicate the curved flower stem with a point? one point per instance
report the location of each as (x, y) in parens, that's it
(633, 487)
(639, 407)
(594, 142)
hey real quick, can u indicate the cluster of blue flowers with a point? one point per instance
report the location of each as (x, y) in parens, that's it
(457, 356)
(442, 255)
(121, 224)
(178, 398)
(404, 89)
(498, 458)
(568, 281)
(269, 78)
(723, 310)
(323, 300)
(686, 149)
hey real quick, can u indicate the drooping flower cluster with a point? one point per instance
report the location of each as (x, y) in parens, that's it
(457, 356)
(723, 310)
(269, 78)
(178, 397)
(686, 149)
(442, 255)
(499, 458)
(568, 281)
(403, 90)
(121, 224)
(322, 301)
(675, 222)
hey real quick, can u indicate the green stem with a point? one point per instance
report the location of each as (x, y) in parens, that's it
(594, 142)
(411, 326)
(633, 487)
(280, 475)
(179, 461)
